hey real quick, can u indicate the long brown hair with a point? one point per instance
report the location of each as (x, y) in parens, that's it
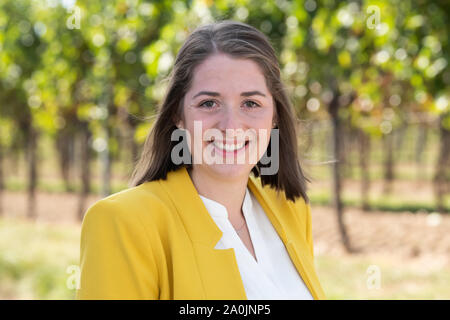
(238, 40)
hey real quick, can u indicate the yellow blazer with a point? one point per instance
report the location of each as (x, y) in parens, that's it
(156, 241)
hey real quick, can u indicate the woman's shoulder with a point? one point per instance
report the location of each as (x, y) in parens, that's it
(130, 205)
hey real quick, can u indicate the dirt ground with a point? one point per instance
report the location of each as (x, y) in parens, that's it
(417, 237)
(414, 236)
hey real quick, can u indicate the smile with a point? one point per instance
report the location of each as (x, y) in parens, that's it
(229, 147)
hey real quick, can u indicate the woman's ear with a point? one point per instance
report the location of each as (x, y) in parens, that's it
(275, 118)
(178, 123)
(274, 122)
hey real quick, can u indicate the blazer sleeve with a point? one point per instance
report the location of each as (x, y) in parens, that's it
(116, 259)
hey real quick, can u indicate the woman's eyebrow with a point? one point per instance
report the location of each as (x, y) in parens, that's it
(217, 94)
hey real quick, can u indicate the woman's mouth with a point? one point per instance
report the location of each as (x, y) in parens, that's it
(229, 148)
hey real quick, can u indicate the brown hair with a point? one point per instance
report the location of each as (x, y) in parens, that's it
(238, 40)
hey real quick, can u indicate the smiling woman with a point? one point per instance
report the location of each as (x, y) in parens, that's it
(202, 229)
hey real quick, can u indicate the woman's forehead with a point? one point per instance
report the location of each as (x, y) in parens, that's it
(223, 73)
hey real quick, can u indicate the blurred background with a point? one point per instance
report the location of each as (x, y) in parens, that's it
(80, 82)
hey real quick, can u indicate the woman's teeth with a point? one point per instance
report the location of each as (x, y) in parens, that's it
(228, 147)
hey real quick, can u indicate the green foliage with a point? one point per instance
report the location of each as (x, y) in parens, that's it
(53, 76)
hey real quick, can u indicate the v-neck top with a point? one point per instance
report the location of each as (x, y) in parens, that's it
(272, 276)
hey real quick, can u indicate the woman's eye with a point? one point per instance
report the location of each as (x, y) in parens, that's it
(207, 104)
(251, 104)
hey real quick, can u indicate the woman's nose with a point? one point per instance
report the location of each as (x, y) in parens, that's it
(230, 119)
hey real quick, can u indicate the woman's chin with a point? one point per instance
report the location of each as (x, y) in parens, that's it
(230, 171)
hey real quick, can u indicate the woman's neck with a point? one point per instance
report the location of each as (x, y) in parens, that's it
(228, 192)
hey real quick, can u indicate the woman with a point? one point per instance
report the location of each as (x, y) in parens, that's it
(203, 221)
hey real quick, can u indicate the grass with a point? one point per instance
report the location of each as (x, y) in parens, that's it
(351, 278)
(35, 257)
(391, 203)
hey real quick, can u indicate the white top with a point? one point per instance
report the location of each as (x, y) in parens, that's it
(272, 276)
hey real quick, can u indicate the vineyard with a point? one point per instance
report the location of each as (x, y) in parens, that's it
(81, 83)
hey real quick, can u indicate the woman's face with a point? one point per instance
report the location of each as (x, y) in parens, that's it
(229, 114)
